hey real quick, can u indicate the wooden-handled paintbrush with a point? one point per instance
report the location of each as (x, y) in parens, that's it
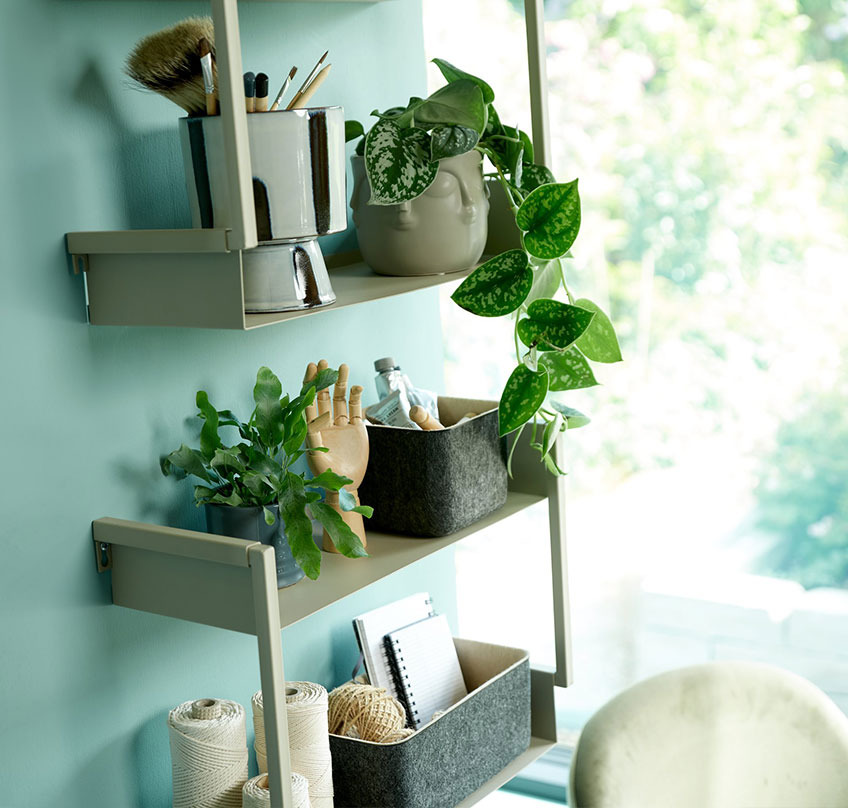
(293, 104)
(206, 66)
(302, 99)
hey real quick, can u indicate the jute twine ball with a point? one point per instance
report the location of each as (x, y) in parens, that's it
(366, 712)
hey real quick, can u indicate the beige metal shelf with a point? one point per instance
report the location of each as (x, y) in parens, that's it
(194, 578)
(231, 583)
(189, 283)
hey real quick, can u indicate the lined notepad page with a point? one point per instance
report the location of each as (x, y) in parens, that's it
(373, 626)
(427, 668)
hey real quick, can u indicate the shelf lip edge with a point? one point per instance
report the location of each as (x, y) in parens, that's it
(130, 242)
(192, 544)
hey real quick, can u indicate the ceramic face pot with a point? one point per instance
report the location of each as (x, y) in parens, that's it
(443, 230)
(249, 523)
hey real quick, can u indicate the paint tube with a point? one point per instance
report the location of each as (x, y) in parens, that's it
(393, 410)
(390, 377)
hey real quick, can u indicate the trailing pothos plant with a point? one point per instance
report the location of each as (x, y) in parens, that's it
(554, 340)
(257, 471)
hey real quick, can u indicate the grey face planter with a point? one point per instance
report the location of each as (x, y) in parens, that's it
(297, 162)
(443, 230)
(249, 523)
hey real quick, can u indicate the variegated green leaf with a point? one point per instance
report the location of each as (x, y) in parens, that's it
(551, 325)
(452, 74)
(568, 370)
(546, 281)
(398, 169)
(550, 217)
(524, 139)
(460, 103)
(524, 393)
(574, 418)
(451, 141)
(552, 431)
(534, 176)
(497, 287)
(598, 341)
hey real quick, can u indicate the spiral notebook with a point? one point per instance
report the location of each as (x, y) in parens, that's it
(425, 668)
(370, 629)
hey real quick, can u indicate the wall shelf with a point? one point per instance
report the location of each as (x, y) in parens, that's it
(183, 278)
(192, 584)
(231, 583)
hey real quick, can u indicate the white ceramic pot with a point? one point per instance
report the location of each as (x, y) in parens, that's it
(285, 277)
(298, 166)
(443, 230)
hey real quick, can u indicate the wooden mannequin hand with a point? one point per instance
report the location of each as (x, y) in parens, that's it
(344, 434)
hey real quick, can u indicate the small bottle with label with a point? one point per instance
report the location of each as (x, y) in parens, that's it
(390, 377)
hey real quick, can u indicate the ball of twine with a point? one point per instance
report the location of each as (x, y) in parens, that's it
(366, 712)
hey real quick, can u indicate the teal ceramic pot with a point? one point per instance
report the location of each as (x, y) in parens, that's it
(249, 523)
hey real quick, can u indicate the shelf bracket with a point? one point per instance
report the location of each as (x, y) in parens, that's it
(79, 263)
(103, 555)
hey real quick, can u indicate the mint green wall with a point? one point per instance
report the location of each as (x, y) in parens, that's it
(87, 411)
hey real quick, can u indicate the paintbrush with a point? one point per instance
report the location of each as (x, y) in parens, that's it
(168, 62)
(300, 101)
(249, 91)
(283, 89)
(261, 93)
(208, 78)
(293, 103)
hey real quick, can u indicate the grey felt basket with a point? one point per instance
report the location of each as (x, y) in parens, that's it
(454, 755)
(432, 483)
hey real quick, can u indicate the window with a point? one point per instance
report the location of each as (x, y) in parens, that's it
(708, 500)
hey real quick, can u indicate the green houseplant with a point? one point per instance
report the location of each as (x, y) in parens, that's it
(554, 340)
(257, 471)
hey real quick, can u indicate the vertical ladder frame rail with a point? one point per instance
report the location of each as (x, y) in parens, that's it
(242, 235)
(248, 571)
(534, 21)
(268, 636)
(530, 476)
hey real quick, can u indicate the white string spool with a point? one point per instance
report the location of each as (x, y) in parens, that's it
(208, 753)
(309, 738)
(256, 793)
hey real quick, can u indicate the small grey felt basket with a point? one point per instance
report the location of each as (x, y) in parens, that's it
(454, 755)
(433, 483)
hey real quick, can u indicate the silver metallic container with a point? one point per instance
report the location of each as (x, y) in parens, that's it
(298, 168)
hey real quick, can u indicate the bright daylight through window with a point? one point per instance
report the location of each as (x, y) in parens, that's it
(708, 498)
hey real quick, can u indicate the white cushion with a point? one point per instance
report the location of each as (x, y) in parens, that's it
(717, 735)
